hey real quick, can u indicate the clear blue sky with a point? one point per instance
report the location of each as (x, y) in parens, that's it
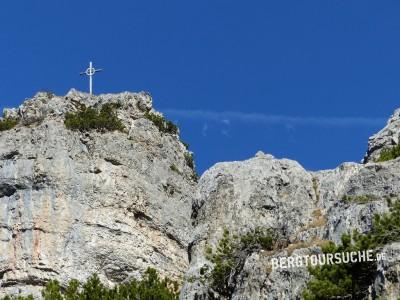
(306, 80)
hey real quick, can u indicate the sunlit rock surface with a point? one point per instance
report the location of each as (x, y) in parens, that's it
(73, 204)
(386, 138)
(306, 208)
(115, 203)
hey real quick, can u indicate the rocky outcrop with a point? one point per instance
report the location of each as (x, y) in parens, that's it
(388, 273)
(74, 203)
(260, 192)
(306, 208)
(385, 138)
(114, 203)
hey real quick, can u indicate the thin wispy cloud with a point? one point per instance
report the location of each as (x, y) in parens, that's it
(260, 118)
(226, 121)
(204, 129)
(225, 132)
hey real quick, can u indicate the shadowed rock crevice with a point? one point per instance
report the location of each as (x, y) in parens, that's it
(7, 190)
(26, 281)
(113, 161)
(10, 155)
(141, 215)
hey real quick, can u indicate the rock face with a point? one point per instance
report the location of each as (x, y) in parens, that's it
(74, 203)
(386, 138)
(260, 192)
(115, 203)
(307, 208)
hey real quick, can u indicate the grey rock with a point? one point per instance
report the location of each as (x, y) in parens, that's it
(74, 203)
(307, 208)
(387, 282)
(115, 203)
(242, 196)
(385, 138)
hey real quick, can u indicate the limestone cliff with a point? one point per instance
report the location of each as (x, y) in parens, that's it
(113, 203)
(385, 138)
(73, 204)
(306, 208)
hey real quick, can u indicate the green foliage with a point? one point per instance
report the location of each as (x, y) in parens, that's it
(161, 123)
(52, 291)
(352, 280)
(88, 118)
(187, 146)
(224, 261)
(7, 124)
(349, 280)
(175, 169)
(386, 228)
(151, 287)
(229, 257)
(258, 239)
(359, 198)
(195, 177)
(389, 154)
(189, 160)
(72, 290)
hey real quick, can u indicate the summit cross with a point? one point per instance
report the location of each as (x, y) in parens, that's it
(90, 72)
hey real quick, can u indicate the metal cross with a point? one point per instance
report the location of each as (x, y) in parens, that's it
(90, 72)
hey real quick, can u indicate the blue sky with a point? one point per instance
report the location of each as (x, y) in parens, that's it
(306, 80)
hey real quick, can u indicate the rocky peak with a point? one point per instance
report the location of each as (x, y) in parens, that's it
(385, 138)
(76, 203)
(307, 209)
(47, 105)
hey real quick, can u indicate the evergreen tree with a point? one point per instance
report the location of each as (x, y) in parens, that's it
(151, 287)
(351, 281)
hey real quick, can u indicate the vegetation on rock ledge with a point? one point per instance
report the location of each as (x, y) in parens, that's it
(229, 257)
(351, 281)
(151, 287)
(189, 159)
(361, 199)
(162, 124)
(389, 154)
(7, 124)
(88, 118)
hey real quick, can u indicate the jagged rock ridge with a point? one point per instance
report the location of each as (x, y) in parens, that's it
(306, 208)
(115, 203)
(386, 138)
